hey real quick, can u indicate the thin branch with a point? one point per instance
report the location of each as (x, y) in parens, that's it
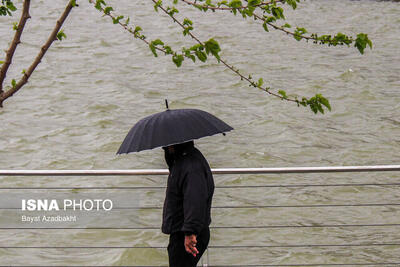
(43, 50)
(256, 16)
(135, 34)
(205, 6)
(283, 29)
(127, 28)
(232, 68)
(124, 25)
(17, 40)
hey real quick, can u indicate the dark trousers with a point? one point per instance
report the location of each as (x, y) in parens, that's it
(178, 257)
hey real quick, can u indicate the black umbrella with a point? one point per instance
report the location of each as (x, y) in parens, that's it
(172, 126)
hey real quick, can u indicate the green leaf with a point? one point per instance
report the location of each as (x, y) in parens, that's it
(196, 47)
(73, 3)
(297, 37)
(362, 41)
(265, 27)
(316, 103)
(283, 94)
(13, 83)
(153, 45)
(235, 4)
(172, 11)
(117, 19)
(15, 26)
(7, 8)
(61, 35)
(178, 59)
(304, 102)
(153, 49)
(1, 62)
(292, 3)
(254, 2)
(157, 42)
(260, 82)
(270, 19)
(298, 33)
(188, 23)
(168, 50)
(212, 47)
(108, 10)
(320, 109)
(325, 102)
(10, 5)
(277, 12)
(99, 4)
(201, 56)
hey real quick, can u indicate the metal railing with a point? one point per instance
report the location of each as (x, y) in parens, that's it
(379, 168)
(342, 169)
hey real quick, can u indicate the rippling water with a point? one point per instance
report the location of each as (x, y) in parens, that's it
(92, 87)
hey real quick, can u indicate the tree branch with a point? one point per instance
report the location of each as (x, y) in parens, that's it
(126, 27)
(167, 50)
(17, 39)
(232, 68)
(205, 6)
(42, 52)
(339, 39)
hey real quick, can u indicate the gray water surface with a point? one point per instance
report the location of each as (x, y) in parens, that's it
(92, 87)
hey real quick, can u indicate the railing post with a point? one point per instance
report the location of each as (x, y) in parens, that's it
(206, 264)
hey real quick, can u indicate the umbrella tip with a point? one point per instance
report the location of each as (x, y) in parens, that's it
(166, 103)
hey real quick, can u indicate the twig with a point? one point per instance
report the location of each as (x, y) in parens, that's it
(17, 40)
(205, 6)
(283, 29)
(43, 50)
(127, 28)
(232, 68)
(131, 31)
(256, 16)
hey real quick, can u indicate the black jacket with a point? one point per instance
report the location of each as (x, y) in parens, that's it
(190, 188)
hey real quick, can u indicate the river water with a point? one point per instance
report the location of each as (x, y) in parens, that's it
(92, 87)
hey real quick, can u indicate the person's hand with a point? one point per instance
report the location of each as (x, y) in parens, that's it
(190, 245)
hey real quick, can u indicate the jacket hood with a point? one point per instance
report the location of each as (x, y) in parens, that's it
(179, 150)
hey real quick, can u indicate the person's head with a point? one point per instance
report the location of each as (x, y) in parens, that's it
(172, 151)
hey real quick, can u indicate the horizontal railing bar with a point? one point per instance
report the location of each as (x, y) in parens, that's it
(306, 206)
(212, 227)
(304, 246)
(215, 171)
(213, 247)
(241, 265)
(319, 264)
(249, 206)
(223, 186)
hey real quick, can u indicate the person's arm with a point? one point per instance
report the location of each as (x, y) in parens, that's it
(195, 195)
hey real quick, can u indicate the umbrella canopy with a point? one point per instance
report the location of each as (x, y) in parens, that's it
(172, 126)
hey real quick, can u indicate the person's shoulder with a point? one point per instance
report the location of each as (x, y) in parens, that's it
(195, 161)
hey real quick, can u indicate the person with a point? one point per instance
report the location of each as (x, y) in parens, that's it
(187, 205)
